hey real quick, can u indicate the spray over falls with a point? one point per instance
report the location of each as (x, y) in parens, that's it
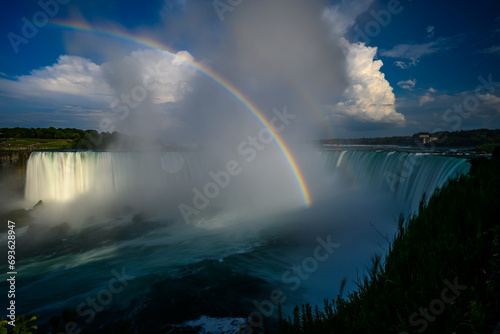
(65, 176)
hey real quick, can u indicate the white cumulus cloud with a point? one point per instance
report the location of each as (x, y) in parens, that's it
(490, 99)
(165, 78)
(72, 75)
(407, 84)
(119, 94)
(342, 16)
(369, 97)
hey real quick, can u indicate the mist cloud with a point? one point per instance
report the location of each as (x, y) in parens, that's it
(280, 53)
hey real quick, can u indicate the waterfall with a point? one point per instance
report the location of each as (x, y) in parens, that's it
(63, 176)
(407, 175)
(217, 244)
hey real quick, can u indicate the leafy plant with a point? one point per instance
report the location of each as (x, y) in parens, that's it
(22, 326)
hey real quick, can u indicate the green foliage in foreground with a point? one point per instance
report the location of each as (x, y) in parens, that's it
(455, 237)
(22, 326)
(486, 148)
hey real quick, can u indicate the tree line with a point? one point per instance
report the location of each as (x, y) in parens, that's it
(101, 139)
(44, 133)
(81, 139)
(443, 138)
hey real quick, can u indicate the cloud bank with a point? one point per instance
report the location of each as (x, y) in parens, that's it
(410, 54)
(407, 84)
(136, 82)
(368, 97)
(264, 52)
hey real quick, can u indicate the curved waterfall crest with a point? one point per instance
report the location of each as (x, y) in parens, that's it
(64, 175)
(408, 175)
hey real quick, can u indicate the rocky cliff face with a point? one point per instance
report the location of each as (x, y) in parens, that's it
(13, 170)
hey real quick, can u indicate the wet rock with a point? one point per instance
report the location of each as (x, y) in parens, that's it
(60, 230)
(36, 231)
(20, 216)
(38, 205)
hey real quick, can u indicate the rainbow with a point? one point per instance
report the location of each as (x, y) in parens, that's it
(209, 73)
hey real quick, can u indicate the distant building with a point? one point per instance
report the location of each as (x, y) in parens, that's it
(426, 139)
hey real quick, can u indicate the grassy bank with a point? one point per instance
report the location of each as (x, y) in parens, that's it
(33, 144)
(441, 275)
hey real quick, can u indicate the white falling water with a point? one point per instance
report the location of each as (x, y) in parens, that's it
(407, 175)
(63, 176)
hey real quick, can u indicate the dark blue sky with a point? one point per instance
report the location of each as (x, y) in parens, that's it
(434, 55)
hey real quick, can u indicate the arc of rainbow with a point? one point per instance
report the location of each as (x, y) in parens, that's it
(213, 76)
